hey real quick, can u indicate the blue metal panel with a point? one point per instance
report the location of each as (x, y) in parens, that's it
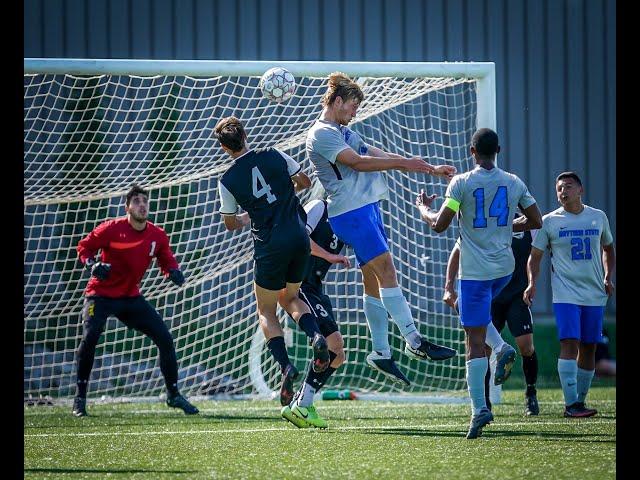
(205, 30)
(331, 33)
(141, 29)
(310, 30)
(33, 19)
(53, 33)
(413, 31)
(435, 30)
(455, 30)
(119, 29)
(576, 91)
(163, 31)
(75, 35)
(269, 37)
(290, 30)
(476, 44)
(97, 29)
(393, 44)
(373, 31)
(515, 85)
(352, 26)
(184, 29)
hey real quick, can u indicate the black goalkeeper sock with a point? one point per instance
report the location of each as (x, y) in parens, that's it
(530, 369)
(317, 380)
(309, 325)
(279, 351)
(81, 388)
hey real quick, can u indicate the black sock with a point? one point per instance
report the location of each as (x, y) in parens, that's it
(317, 380)
(81, 388)
(309, 325)
(487, 380)
(279, 351)
(172, 389)
(530, 369)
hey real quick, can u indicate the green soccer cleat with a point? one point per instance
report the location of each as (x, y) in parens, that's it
(288, 415)
(309, 415)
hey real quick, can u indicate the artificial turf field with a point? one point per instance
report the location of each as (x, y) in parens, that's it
(249, 439)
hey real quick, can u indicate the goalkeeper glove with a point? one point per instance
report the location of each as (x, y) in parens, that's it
(100, 270)
(176, 276)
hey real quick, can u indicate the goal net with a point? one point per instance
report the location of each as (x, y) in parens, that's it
(93, 128)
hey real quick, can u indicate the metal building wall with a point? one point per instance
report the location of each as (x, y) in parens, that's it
(555, 60)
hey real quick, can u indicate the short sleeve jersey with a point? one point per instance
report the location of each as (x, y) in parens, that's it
(346, 188)
(488, 201)
(320, 232)
(260, 183)
(575, 240)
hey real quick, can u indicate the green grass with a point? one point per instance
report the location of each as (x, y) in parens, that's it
(248, 439)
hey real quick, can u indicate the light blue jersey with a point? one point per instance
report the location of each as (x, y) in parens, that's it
(347, 189)
(487, 201)
(575, 241)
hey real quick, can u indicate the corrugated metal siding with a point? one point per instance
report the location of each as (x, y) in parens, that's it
(555, 60)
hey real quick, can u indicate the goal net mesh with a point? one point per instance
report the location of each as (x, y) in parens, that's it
(87, 139)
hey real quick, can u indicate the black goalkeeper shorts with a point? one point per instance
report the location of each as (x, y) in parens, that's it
(321, 308)
(515, 313)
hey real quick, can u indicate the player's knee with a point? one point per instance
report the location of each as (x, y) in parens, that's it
(526, 350)
(339, 359)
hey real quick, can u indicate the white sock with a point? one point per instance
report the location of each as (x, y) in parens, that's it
(493, 338)
(398, 307)
(568, 372)
(476, 370)
(378, 321)
(306, 395)
(584, 378)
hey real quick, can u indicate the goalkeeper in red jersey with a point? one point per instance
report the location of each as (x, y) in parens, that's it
(128, 245)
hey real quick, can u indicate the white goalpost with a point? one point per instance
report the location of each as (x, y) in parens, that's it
(92, 128)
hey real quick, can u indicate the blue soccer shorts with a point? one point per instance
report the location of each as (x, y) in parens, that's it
(475, 297)
(363, 229)
(581, 322)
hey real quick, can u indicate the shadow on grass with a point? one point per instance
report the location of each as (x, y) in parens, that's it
(490, 432)
(102, 471)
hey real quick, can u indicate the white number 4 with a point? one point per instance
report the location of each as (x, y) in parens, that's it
(259, 181)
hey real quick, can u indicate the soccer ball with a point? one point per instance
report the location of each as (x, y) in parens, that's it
(277, 84)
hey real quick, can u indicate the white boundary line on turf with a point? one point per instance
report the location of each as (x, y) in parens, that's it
(50, 410)
(284, 429)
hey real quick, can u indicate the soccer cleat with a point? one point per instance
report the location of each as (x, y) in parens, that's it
(505, 359)
(321, 358)
(178, 401)
(309, 415)
(387, 366)
(288, 415)
(286, 389)
(578, 410)
(531, 405)
(429, 350)
(485, 417)
(80, 407)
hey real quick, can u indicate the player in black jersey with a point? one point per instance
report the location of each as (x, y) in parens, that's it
(509, 308)
(260, 182)
(325, 251)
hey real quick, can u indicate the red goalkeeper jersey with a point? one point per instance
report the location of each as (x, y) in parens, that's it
(129, 252)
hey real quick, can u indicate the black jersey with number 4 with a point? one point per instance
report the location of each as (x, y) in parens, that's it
(261, 184)
(320, 232)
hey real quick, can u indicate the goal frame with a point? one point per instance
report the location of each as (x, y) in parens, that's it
(482, 72)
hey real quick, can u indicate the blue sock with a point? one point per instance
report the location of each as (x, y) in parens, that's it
(584, 378)
(398, 308)
(476, 371)
(378, 321)
(568, 372)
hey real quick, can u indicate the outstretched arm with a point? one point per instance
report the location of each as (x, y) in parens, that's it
(369, 163)
(318, 251)
(440, 220)
(446, 171)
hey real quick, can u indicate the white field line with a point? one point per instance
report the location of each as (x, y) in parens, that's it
(338, 405)
(426, 427)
